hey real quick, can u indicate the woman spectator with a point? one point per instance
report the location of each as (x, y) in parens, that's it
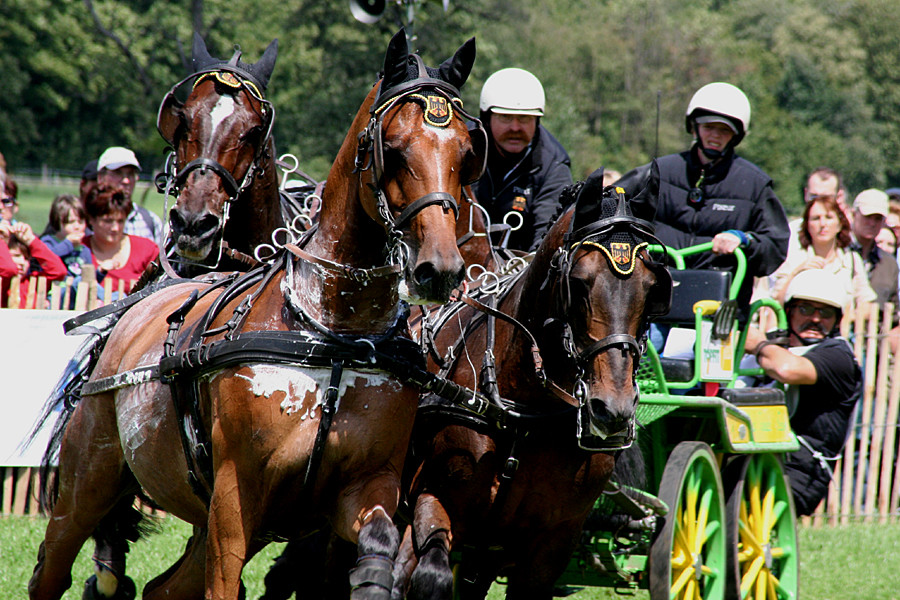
(68, 222)
(824, 239)
(20, 246)
(115, 254)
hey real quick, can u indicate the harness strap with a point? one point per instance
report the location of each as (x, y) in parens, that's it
(325, 421)
(228, 181)
(446, 200)
(353, 273)
(535, 351)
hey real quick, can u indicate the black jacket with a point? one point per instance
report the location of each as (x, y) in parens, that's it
(530, 184)
(736, 194)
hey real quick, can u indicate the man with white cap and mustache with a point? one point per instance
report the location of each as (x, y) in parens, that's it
(527, 167)
(824, 378)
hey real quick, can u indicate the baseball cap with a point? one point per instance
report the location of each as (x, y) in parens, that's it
(872, 201)
(718, 119)
(89, 171)
(894, 191)
(116, 157)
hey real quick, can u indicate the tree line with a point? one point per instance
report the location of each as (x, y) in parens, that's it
(821, 75)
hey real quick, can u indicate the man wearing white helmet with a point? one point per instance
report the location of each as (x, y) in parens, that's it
(708, 193)
(527, 167)
(823, 373)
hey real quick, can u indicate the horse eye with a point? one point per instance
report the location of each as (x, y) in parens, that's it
(253, 134)
(394, 159)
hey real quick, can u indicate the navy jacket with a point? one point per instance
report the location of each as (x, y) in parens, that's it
(530, 184)
(735, 194)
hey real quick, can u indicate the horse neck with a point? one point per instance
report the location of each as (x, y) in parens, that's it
(256, 212)
(346, 233)
(530, 302)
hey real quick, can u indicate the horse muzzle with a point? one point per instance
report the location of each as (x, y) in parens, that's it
(194, 234)
(608, 418)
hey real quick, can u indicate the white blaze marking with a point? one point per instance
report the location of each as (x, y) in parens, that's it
(223, 109)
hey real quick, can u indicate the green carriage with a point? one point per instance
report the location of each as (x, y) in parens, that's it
(716, 519)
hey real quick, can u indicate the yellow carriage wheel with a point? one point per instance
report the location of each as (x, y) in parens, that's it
(687, 556)
(762, 530)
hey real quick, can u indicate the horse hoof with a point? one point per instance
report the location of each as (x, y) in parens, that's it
(125, 590)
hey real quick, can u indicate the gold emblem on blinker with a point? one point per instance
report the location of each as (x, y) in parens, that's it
(620, 252)
(437, 111)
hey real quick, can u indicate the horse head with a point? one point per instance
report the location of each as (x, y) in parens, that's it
(600, 291)
(221, 134)
(414, 155)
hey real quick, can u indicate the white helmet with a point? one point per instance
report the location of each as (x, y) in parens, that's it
(513, 92)
(720, 99)
(818, 285)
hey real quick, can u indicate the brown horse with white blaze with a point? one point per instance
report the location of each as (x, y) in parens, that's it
(556, 349)
(222, 171)
(286, 401)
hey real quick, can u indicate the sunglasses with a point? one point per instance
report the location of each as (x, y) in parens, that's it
(826, 312)
(9, 201)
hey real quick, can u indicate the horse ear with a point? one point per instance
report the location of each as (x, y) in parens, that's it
(455, 70)
(589, 204)
(263, 68)
(200, 56)
(643, 204)
(395, 61)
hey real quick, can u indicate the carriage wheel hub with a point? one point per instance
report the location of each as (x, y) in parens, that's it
(697, 564)
(767, 553)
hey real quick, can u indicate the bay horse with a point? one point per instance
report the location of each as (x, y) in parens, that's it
(284, 402)
(556, 349)
(222, 171)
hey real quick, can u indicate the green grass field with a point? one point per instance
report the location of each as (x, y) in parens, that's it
(856, 562)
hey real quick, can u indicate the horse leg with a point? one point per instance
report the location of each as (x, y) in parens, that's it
(315, 566)
(91, 480)
(111, 538)
(432, 577)
(372, 577)
(228, 537)
(404, 565)
(185, 578)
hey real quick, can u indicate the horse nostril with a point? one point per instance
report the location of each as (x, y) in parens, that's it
(177, 221)
(437, 284)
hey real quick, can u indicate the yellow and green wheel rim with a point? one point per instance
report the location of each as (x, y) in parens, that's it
(688, 558)
(763, 524)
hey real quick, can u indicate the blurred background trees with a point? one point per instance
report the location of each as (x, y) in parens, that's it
(822, 75)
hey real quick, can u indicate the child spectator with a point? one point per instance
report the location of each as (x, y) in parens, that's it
(68, 221)
(23, 246)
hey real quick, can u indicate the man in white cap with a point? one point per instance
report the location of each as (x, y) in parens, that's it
(527, 167)
(118, 166)
(870, 210)
(823, 376)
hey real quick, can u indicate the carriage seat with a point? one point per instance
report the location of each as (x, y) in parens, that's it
(767, 396)
(689, 286)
